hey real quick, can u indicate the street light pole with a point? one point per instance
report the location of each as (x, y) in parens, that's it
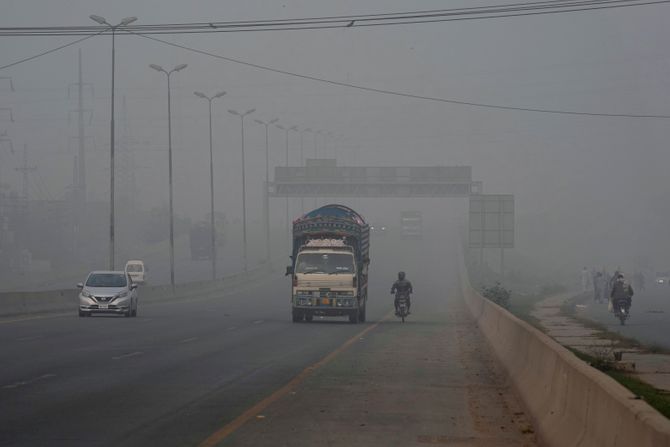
(168, 74)
(287, 130)
(302, 165)
(124, 22)
(244, 188)
(214, 254)
(266, 203)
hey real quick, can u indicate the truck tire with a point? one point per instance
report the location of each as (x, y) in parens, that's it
(353, 317)
(297, 316)
(309, 317)
(362, 314)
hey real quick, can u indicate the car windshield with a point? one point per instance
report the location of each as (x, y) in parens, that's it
(106, 280)
(134, 268)
(331, 263)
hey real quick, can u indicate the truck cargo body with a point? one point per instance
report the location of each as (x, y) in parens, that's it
(329, 270)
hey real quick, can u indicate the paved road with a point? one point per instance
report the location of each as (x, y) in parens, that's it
(183, 371)
(649, 320)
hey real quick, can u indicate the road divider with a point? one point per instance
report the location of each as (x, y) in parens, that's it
(50, 301)
(571, 403)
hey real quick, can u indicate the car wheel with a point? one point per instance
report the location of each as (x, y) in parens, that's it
(128, 313)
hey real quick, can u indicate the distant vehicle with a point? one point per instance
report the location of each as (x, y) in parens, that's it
(200, 237)
(331, 247)
(137, 271)
(379, 230)
(662, 278)
(411, 225)
(111, 292)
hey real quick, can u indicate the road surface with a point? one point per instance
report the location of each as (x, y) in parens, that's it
(236, 371)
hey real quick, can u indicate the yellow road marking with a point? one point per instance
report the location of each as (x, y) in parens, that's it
(253, 411)
(35, 317)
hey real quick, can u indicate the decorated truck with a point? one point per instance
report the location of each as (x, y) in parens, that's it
(329, 268)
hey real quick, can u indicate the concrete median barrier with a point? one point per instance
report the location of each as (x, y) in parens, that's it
(20, 303)
(571, 403)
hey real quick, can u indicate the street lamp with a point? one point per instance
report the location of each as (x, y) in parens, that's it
(244, 187)
(124, 22)
(211, 178)
(302, 165)
(266, 204)
(167, 74)
(286, 131)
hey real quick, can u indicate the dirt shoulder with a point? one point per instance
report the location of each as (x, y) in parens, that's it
(430, 381)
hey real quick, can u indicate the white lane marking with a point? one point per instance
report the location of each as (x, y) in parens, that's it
(36, 337)
(259, 321)
(187, 340)
(125, 356)
(27, 382)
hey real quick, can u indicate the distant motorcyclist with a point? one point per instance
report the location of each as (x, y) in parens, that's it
(621, 291)
(402, 287)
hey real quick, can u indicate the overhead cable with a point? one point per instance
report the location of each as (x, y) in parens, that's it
(346, 21)
(397, 93)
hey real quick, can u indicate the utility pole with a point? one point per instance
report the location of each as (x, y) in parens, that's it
(24, 170)
(79, 193)
(11, 83)
(5, 139)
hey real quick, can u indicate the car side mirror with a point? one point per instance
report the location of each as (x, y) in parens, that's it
(80, 285)
(133, 287)
(289, 270)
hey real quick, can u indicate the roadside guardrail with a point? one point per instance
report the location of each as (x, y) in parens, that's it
(20, 303)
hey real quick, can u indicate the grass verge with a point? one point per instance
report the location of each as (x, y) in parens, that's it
(656, 398)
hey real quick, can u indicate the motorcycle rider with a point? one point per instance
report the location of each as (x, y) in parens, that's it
(621, 291)
(402, 287)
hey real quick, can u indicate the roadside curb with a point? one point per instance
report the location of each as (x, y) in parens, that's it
(570, 402)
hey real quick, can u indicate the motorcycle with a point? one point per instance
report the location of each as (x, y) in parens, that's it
(403, 307)
(621, 311)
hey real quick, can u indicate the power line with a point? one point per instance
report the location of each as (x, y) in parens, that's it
(402, 94)
(53, 50)
(329, 22)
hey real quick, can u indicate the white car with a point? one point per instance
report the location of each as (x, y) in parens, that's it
(137, 271)
(662, 278)
(110, 292)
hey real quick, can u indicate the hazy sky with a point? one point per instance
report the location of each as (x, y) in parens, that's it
(591, 186)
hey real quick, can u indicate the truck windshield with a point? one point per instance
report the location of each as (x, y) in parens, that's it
(330, 263)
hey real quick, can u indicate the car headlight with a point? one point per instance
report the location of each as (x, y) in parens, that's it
(86, 293)
(121, 295)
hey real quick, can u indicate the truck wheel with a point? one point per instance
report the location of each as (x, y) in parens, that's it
(362, 314)
(297, 316)
(353, 317)
(309, 317)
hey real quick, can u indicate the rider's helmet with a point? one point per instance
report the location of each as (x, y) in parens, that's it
(401, 276)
